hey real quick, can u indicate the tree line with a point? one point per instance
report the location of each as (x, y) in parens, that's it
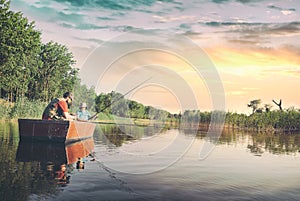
(262, 118)
(287, 120)
(265, 119)
(114, 103)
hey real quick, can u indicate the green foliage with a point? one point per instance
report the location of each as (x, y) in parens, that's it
(192, 116)
(5, 108)
(288, 120)
(103, 103)
(254, 104)
(84, 94)
(19, 47)
(55, 74)
(114, 103)
(29, 68)
(27, 109)
(105, 117)
(137, 110)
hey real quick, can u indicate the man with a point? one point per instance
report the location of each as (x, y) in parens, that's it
(58, 109)
(83, 114)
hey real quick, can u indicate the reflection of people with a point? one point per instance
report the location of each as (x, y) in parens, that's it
(83, 113)
(58, 172)
(61, 175)
(59, 108)
(80, 164)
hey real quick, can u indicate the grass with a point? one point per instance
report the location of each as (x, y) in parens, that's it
(23, 108)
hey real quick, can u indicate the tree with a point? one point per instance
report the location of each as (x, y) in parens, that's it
(267, 107)
(19, 47)
(103, 103)
(254, 105)
(55, 74)
(84, 94)
(278, 104)
(119, 104)
(28, 67)
(137, 110)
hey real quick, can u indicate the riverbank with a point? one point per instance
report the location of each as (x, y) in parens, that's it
(284, 121)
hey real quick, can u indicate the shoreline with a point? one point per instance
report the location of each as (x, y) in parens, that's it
(186, 125)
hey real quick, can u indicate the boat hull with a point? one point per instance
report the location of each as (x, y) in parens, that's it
(55, 131)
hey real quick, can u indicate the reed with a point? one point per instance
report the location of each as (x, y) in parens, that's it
(23, 108)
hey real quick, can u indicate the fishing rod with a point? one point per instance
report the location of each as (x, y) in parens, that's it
(111, 103)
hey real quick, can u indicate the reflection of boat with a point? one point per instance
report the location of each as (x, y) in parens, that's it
(59, 131)
(56, 153)
(79, 149)
(55, 160)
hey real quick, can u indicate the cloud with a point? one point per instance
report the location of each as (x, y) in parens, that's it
(239, 1)
(293, 72)
(244, 42)
(105, 18)
(243, 60)
(174, 15)
(245, 27)
(185, 26)
(285, 28)
(236, 93)
(289, 71)
(107, 4)
(88, 26)
(173, 18)
(101, 14)
(226, 24)
(121, 5)
(286, 12)
(258, 34)
(281, 9)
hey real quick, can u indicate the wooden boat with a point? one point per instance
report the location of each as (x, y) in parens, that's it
(57, 131)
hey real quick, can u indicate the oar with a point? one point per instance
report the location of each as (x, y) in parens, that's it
(107, 106)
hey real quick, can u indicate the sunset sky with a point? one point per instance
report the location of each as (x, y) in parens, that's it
(254, 45)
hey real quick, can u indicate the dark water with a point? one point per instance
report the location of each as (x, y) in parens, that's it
(151, 164)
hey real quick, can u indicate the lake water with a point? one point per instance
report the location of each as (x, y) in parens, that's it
(147, 163)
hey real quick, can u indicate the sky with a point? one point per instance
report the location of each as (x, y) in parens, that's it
(201, 54)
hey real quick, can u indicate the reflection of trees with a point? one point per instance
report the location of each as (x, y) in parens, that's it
(282, 143)
(274, 143)
(255, 149)
(257, 142)
(112, 134)
(117, 134)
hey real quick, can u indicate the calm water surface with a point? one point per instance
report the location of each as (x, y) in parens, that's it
(150, 164)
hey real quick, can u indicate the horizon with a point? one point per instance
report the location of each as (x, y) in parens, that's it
(255, 53)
